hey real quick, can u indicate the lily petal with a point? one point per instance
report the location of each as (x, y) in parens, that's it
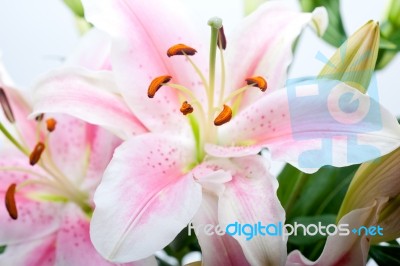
(268, 35)
(216, 249)
(38, 252)
(73, 241)
(35, 219)
(140, 42)
(89, 96)
(346, 250)
(144, 199)
(322, 122)
(251, 198)
(93, 51)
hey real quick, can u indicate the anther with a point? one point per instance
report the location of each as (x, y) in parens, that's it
(156, 84)
(51, 124)
(5, 104)
(37, 152)
(39, 117)
(221, 39)
(224, 117)
(259, 82)
(181, 49)
(186, 108)
(10, 202)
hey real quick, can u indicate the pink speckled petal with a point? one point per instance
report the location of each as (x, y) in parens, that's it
(141, 36)
(229, 251)
(256, 52)
(144, 198)
(346, 250)
(87, 95)
(43, 217)
(74, 246)
(37, 252)
(80, 150)
(311, 124)
(250, 198)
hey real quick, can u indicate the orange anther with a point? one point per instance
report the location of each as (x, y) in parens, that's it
(51, 124)
(10, 202)
(259, 82)
(180, 49)
(186, 108)
(224, 117)
(37, 152)
(156, 84)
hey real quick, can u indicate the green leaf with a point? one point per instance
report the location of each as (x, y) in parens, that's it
(335, 34)
(300, 238)
(2, 249)
(385, 255)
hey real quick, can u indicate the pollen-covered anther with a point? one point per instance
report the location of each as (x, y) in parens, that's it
(180, 49)
(5, 104)
(259, 82)
(224, 117)
(51, 124)
(156, 84)
(11, 206)
(186, 108)
(36, 153)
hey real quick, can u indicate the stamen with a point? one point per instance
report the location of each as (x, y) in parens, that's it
(51, 124)
(10, 202)
(186, 108)
(37, 152)
(156, 84)
(181, 49)
(221, 39)
(5, 104)
(224, 117)
(39, 117)
(258, 81)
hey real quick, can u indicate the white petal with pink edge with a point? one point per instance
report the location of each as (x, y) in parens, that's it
(311, 124)
(141, 36)
(90, 96)
(73, 242)
(263, 45)
(145, 199)
(250, 198)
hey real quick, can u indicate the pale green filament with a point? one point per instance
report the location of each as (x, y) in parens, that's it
(13, 140)
(237, 92)
(222, 92)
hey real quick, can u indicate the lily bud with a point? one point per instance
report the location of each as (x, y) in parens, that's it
(377, 180)
(354, 61)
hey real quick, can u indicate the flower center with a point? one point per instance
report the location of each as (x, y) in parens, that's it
(217, 112)
(45, 178)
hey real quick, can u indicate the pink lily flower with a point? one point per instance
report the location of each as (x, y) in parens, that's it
(49, 169)
(159, 181)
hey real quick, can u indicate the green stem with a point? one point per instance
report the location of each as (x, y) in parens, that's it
(296, 191)
(13, 140)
